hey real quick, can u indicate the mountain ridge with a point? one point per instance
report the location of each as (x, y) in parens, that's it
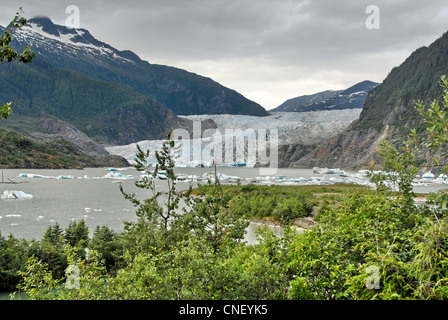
(349, 98)
(181, 91)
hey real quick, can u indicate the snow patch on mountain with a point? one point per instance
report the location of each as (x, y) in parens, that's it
(72, 39)
(350, 98)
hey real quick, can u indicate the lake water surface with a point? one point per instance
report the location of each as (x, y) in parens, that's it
(91, 197)
(88, 196)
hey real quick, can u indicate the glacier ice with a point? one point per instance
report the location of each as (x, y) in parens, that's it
(236, 131)
(428, 175)
(117, 175)
(13, 194)
(329, 171)
(33, 175)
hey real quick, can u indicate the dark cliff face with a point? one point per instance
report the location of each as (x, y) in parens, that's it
(389, 111)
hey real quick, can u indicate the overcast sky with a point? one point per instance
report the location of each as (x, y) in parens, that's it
(268, 50)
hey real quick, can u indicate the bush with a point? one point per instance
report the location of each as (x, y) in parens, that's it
(279, 203)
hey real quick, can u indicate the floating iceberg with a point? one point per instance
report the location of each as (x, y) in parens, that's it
(428, 175)
(32, 175)
(328, 171)
(117, 175)
(301, 179)
(65, 177)
(13, 194)
(220, 176)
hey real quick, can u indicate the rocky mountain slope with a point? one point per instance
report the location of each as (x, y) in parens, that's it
(388, 111)
(181, 91)
(18, 151)
(350, 98)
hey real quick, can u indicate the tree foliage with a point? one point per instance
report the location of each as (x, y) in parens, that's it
(159, 211)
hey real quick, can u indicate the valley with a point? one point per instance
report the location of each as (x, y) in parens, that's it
(125, 179)
(102, 100)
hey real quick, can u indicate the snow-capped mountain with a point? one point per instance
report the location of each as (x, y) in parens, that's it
(351, 98)
(183, 92)
(59, 85)
(46, 37)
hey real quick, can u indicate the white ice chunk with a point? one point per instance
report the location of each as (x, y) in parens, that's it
(117, 175)
(13, 194)
(333, 171)
(65, 177)
(428, 175)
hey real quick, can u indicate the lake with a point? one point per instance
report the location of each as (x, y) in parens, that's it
(88, 196)
(98, 200)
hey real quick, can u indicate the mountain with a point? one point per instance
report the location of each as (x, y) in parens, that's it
(183, 92)
(106, 112)
(389, 111)
(21, 152)
(350, 98)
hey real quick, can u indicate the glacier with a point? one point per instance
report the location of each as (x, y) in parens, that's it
(305, 128)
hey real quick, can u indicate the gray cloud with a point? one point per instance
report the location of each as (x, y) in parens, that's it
(269, 50)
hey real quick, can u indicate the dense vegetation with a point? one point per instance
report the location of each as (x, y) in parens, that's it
(17, 151)
(335, 260)
(272, 202)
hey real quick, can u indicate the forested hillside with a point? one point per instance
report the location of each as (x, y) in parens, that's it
(106, 112)
(389, 111)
